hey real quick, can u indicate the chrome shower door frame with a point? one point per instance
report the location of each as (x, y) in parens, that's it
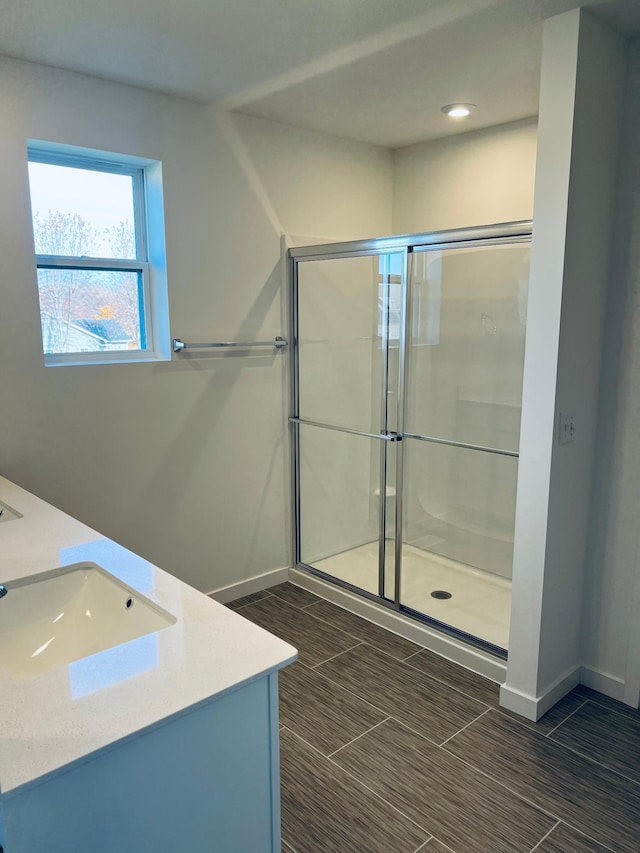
(500, 234)
(384, 436)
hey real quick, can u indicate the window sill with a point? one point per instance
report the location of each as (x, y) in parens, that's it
(123, 357)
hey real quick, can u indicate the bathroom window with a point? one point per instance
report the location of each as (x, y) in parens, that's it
(98, 230)
(425, 294)
(390, 296)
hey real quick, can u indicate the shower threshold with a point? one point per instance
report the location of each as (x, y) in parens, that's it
(479, 603)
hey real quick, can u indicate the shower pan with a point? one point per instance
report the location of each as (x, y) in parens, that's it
(407, 365)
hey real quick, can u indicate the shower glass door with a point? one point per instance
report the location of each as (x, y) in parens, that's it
(406, 396)
(465, 353)
(349, 322)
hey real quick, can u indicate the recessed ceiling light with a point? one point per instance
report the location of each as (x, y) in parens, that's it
(458, 110)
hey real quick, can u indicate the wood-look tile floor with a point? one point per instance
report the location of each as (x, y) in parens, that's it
(387, 748)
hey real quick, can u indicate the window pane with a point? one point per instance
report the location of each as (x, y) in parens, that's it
(81, 212)
(90, 310)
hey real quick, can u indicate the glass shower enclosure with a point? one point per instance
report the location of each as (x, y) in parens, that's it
(407, 365)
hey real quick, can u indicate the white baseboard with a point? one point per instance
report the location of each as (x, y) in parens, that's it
(533, 707)
(519, 703)
(603, 682)
(256, 584)
(448, 647)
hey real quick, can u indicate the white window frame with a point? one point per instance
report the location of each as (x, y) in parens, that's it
(150, 262)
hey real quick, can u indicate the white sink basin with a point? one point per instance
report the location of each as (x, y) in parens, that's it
(51, 619)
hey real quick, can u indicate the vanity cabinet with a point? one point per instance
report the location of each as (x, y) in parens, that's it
(168, 742)
(206, 780)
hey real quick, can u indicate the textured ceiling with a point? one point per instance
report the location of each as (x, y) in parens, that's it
(376, 70)
(393, 97)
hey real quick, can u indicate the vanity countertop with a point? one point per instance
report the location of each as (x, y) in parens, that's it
(62, 717)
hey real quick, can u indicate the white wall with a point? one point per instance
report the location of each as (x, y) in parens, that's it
(319, 186)
(611, 638)
(183, 462)
(582, 76)
(475, 178)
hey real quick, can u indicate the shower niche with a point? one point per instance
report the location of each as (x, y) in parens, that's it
(407, 364)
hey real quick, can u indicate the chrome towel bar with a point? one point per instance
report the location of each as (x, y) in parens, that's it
(278, 343)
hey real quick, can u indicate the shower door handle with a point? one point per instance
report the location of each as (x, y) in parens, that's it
(379, 436)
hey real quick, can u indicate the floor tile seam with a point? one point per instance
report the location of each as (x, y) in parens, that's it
(448, 684)
(315, 603)
(624, 714)
(337, 655)
(542, 809)
(330, 624)
(431, 678)
(588, 836)
(382, 651)
(470, 723)
(477, 769)
(518, 796)
(280, 598)
(325, 622)
(487, 708)
(600, 764)
(286, 600)
(523, 722)
(413, 654)
(622, 776)
(251, 603)
(600, 703)
(526, 726)
(349, 634)
(441, 745)
(365, 786)
(568, 717)
(423, 845)
(389, 713)
(443, 683)
(353, 740)
(308, 607)
(435, 838)
(349, 690)
(400, 722)
(545, 836)
(273, 630)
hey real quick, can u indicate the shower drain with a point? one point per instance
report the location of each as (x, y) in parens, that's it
(440, 593)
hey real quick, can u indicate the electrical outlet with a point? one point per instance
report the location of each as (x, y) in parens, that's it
(567, 428)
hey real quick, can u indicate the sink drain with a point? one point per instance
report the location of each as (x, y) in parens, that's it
(440, 593)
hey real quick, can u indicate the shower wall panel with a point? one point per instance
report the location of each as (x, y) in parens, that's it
(466, 350)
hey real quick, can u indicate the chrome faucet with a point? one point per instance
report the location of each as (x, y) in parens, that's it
(3, 591)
